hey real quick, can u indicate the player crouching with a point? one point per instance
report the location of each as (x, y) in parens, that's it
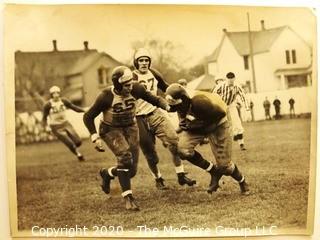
(204, 115)
(118, 128)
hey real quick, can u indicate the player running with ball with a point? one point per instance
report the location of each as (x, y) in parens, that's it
(118, 128)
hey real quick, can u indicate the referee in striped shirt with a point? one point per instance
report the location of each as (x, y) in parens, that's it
(230, 92)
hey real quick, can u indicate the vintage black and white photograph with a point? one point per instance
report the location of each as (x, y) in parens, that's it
(160, 120)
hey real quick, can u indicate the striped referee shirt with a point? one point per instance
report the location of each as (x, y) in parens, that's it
(230, 93)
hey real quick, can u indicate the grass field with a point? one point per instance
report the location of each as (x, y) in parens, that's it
(54, 189)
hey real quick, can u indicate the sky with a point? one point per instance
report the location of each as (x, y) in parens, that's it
(197, 29)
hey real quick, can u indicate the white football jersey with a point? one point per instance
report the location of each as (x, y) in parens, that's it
(57, 114)
(151, 83)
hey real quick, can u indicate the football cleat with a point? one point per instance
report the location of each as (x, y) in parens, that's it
(183, 179)
(130, 203)
(244, 188)
(214, 182)
(106, 179)
(160, 184)
(80, 158)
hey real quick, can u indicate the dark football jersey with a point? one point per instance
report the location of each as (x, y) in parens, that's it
(122, 110)
(117, 110)
(206, 109)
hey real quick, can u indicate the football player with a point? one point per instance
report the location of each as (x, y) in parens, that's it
(55, 109)
(200, 116)
(229, 91)
(118, 128)
(153, 123)
(183, 82)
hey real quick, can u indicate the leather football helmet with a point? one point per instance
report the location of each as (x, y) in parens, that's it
(54, 89)
(141, 52)
(121, 75)
(176, 94)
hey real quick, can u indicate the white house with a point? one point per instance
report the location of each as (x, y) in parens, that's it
(282, 64)
(282, 59)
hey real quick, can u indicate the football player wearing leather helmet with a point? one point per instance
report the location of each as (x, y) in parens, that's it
(118, 128)
(55, 111)
(153, 123)
(200, 116)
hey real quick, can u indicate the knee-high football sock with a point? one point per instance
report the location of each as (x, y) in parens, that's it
(199, 161)
(124, 179)
(237, 175)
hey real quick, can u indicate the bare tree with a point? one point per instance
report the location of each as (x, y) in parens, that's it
(167, 57)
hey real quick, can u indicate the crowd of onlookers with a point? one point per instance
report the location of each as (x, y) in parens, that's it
(29, 129)
(277, 107)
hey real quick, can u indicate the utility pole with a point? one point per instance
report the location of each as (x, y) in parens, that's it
(251, 57)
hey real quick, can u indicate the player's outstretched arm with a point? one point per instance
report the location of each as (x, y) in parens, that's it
(139, 91)
(45, 113)
(68, 104)
(162, 84)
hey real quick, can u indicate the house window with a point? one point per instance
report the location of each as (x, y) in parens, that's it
(102, 76)
(293, 53)
(291, 56)
(246, 62)
(287, 56)
(297, 81)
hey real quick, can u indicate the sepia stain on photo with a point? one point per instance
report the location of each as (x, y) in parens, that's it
(160, 120)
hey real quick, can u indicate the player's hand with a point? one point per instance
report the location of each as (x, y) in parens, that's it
(97, 142)
(98, 145)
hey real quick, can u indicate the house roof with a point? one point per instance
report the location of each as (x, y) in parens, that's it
(84, 63)
(204, 82)
(54, 63)
(52, 67)
(194, 83)
(261, 41)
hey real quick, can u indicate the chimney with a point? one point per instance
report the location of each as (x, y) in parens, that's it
(262, 25)
(86, 45)
(54, 42)
(224, 30)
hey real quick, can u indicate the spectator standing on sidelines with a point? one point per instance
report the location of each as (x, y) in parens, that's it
(292, 112)
(251, 110)
(266, 106)
(228, 91)
(276, 104)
